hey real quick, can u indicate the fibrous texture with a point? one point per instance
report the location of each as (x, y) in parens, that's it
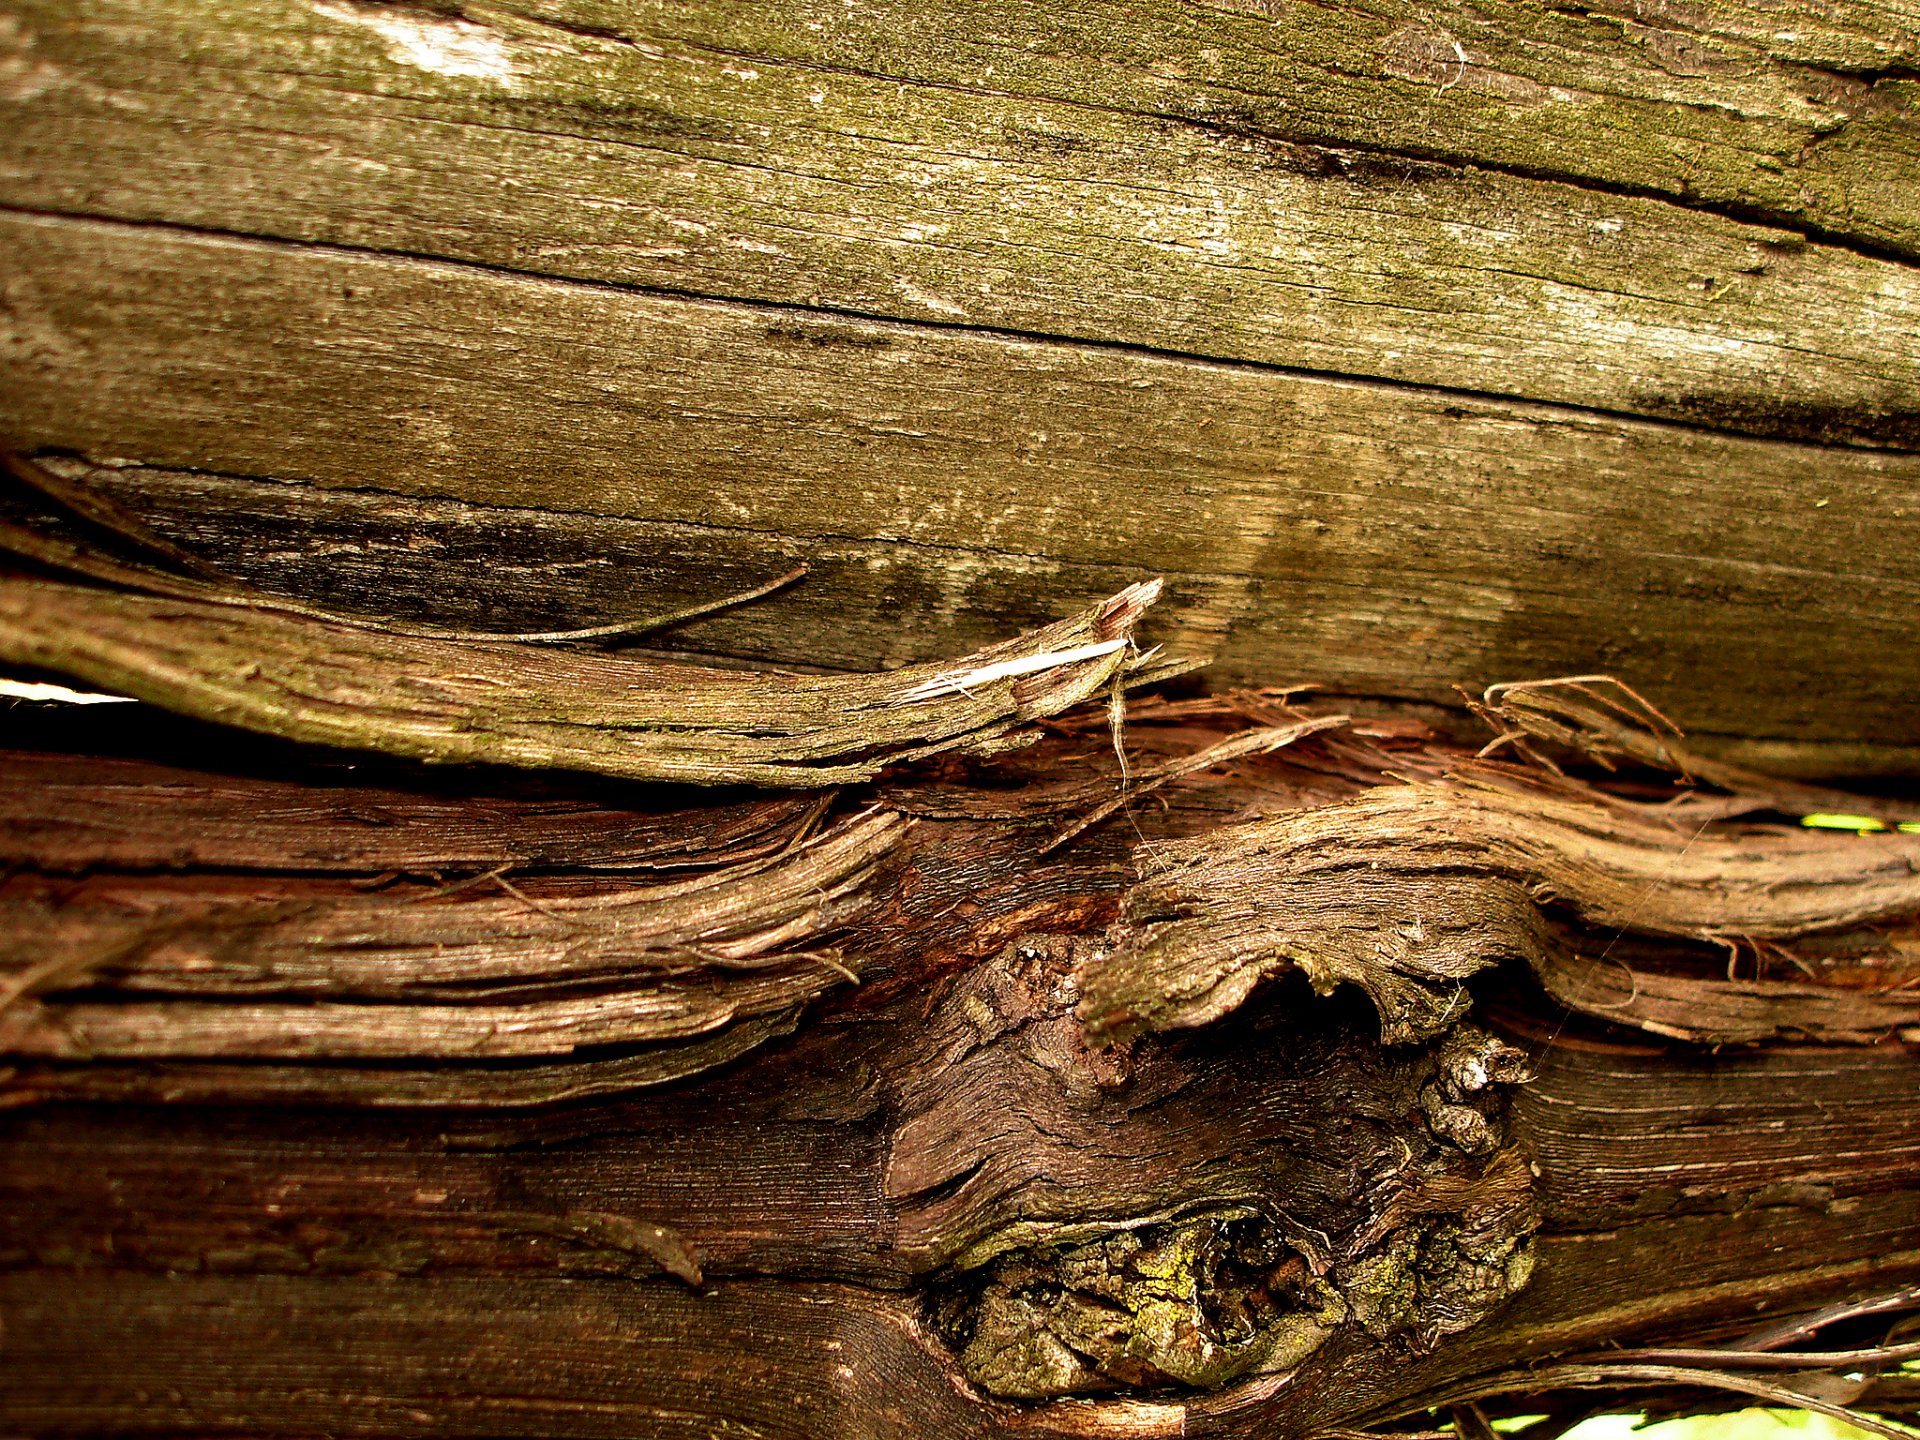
(473, 978)
(335, 682)
(1407, 890)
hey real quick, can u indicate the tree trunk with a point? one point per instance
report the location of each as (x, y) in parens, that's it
(786, 1028)
(549, 1155)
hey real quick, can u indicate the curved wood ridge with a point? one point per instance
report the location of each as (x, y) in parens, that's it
(240, 660)
(363, 978)
(1408, 890)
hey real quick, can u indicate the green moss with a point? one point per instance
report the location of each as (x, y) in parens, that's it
(1194, 1303)
(1383, 1291)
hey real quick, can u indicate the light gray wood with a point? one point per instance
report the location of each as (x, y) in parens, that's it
(949, 486)
(1157, 196)
(1801, 112)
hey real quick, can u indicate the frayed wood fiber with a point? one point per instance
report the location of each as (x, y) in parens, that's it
(480, 976)
(1408, 890)
(358, 686)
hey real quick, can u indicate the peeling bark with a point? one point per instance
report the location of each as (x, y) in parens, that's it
(333, 682)
(1408, 891)
(961, 1206)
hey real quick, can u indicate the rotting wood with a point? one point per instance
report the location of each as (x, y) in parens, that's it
(713, 165)
(1308, 527)
(1342, 1229)
(932, 1203)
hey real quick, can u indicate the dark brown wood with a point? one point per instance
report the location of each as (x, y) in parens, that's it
(940, 1205)
(71, 813)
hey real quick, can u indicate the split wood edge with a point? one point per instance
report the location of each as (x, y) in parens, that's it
(249, 663)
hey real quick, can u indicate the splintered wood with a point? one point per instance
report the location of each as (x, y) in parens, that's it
(1363, 852)
(1042, 936)
(1002, 1047)
(361, 686)
(1408, 890)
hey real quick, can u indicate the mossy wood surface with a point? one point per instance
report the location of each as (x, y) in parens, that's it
(1415, 345)
(697, 149)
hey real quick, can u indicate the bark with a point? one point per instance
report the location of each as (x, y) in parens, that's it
(965, 1101)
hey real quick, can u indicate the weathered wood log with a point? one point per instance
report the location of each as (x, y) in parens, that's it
(943, 1207)
(1213, 1064)
(924, 311)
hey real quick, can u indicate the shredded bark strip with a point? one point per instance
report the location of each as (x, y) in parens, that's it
(66, 814)
(503, 1084)
(1408, 890)
(184, 986)
(1597, 718)
(476, 977)
(335, 683)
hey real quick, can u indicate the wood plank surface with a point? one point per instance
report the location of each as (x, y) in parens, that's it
(949, 486)
(1801, 113)
(1177, 194)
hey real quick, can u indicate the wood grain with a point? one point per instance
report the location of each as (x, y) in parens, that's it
(1412, 343)
(412, 1275)
(67, 813)
(1726, 102)
(1165, 196)
(945, 484)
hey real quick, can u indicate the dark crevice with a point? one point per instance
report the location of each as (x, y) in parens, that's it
(1807, 230)
(1002, 332)
(1098, 572)
(1095, 574)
